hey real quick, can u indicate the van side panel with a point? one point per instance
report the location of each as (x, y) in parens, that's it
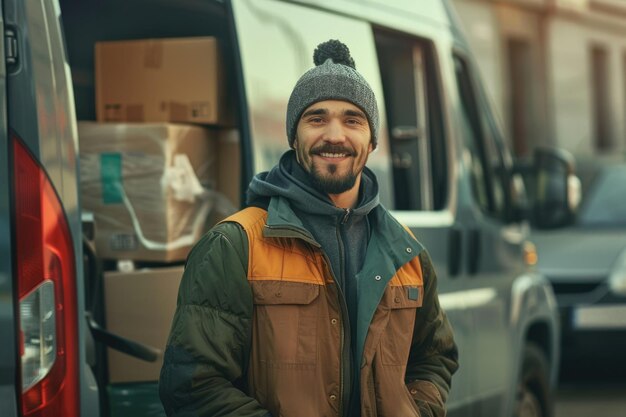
(8, 354)
(381, 10)
(41, 113)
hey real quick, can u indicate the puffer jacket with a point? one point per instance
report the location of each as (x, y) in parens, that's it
(257, 331)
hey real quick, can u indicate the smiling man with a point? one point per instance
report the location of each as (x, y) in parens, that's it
(313, 301)
(332, 142)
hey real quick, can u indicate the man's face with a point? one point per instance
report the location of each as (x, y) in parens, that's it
(333, 141)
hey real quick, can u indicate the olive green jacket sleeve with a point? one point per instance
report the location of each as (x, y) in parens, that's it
(203, 371)
(434, 356)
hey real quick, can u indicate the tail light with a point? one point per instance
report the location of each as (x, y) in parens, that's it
(46, 283)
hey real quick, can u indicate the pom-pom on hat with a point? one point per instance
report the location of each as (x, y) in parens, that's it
(333, 78)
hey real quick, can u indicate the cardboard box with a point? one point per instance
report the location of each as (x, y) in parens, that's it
(151, 187)
(139, 306)
(161, 80)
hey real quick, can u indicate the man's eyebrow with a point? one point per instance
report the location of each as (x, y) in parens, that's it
(354, 113)
(324, 112)
(315, 112)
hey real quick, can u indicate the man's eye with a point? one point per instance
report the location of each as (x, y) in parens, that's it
(315, 119)
(353, 121)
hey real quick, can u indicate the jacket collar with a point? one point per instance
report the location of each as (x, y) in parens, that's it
(390, 243)
(283, 222)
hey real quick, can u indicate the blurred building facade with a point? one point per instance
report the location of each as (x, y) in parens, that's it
(555, 69)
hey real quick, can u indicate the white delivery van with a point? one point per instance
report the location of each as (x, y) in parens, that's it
(442, 165)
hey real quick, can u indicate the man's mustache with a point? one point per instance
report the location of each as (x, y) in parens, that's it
(330, 148)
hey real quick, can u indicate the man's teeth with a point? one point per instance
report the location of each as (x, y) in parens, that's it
(333, 155)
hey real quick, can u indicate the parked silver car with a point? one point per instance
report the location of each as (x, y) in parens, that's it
(586, 264)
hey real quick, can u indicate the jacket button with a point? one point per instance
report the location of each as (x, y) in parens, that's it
(378, 277)
(333, 321)
(278, 295)
(413, 391)
(409, 250)
(333, 397)
(396, 300)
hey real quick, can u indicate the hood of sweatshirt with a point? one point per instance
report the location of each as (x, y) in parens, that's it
(290, 181)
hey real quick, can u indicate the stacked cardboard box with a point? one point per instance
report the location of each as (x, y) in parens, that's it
(162, 80)
(151, 166)
(159, 167)
(151, 187)
(140, 307)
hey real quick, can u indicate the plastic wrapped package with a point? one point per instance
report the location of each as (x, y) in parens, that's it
(151, 187)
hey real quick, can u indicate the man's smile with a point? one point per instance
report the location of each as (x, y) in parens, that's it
(333, 155)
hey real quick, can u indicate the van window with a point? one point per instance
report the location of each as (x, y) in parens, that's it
(417, 145)
(482, 151)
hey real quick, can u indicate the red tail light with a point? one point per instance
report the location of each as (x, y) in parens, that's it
(46, 282)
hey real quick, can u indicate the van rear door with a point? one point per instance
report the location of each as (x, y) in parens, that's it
(48, 349)
(8, 355)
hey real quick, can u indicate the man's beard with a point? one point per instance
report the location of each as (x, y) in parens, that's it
(330, 184)
(325, 179)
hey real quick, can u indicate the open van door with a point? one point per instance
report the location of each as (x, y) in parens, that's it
(45, 359)
(8, 354)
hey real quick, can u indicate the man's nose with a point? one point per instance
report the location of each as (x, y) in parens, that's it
(335, 131)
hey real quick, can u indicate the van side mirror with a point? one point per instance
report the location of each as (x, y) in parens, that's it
(553, 188)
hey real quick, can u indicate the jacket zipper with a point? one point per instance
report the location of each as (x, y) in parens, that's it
(346, 316)
(344, 220)
(344, 319)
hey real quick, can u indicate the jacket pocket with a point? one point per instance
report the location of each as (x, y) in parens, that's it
(402, 303)
(285, 322)
(428, 398)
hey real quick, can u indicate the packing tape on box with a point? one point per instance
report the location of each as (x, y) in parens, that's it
(182, 180)
(211, 200)
(138, 183)
(179, 181)
(180, 242)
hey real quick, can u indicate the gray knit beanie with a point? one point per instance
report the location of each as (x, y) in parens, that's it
(334, 78)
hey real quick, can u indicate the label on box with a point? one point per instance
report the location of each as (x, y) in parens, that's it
(200, 109)
(186, 112)
(113, 112)
(111, 178)
(123, 242)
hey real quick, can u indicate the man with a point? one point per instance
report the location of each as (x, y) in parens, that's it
(313, 301)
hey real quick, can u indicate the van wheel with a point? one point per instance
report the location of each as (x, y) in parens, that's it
(533, 388)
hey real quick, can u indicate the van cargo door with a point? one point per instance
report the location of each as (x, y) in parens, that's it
(8, 353)
(42, 141)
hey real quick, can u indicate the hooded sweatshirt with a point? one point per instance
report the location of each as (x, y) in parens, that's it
(342, 233)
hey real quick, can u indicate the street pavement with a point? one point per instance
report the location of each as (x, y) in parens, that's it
(592, 388)
(597, 399)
